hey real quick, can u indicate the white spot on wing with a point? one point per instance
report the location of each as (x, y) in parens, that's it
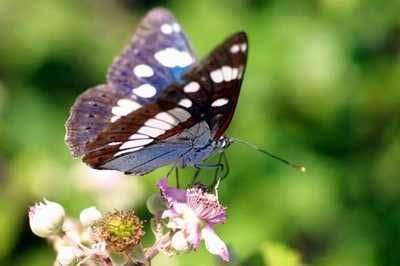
(180, 114)
(114, 118)
(185, 103)
(164, 116)
(124, 107)
(114, 143)
(138, 136)
(191, 87)
(129, 103)
(219, 102)
(152, 132)
(127, 151)
(227, 73)
(243, 47)
(176, 27)
(216, 76)
(158, 124)
(135, 143)
(240, 72)
(145, 91)
(143, 71)
(171, 57)
(166, 28)
(235, 73)
(235, 48)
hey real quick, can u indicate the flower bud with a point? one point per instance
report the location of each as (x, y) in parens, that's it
(46, 218)
(68, 256)
(120, 230)
(90, 216)
(155, 204)
(179, 241)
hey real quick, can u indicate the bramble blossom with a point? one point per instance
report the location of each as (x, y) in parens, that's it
(46, 218)
(89, 216)
(192, 215)
(68, 256)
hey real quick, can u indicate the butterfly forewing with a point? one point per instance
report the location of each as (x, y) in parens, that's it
(157, 56)
(214, 84)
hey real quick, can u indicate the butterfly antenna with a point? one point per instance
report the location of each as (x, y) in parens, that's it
(251, 145)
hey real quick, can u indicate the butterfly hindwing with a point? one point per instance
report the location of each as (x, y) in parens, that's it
(90, 114)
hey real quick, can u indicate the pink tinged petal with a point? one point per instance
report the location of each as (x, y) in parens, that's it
(179, 241)
(220, 218)
(170, 194)
(205, 205)
(181, 208)
(176, 223)
(169, 214)
(214, 244)
(193, 232)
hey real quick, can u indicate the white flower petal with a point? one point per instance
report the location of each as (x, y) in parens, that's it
(46, 218)
(89, 216)
(179, 241)
(176, 223)
(214, 244)
(170, 213)
(193, 232)
(68, 256)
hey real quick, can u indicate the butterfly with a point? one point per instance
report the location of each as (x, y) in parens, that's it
(160, 105)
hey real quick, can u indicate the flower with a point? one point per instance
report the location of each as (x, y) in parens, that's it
(120, 230)
(89, 216)
(46, 218)
(192, 214)
(68, 256)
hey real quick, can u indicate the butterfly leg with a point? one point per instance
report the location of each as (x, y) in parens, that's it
(177, 177)
(217, 170)
(196, 175)
(217, 166)
(227, 168)
(218, 178)
(174, 168)
(171, 170)
(222, 177)
(209, 166)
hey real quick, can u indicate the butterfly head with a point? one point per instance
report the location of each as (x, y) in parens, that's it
(222, 143)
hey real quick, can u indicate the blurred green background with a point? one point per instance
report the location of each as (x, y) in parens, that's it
(322, 88)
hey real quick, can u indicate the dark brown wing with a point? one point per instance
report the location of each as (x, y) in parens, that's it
(220, 77)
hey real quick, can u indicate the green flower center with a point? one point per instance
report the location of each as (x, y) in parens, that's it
(121, 228)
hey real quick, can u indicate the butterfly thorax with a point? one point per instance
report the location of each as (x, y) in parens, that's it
(203, 146)
(222, 143)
